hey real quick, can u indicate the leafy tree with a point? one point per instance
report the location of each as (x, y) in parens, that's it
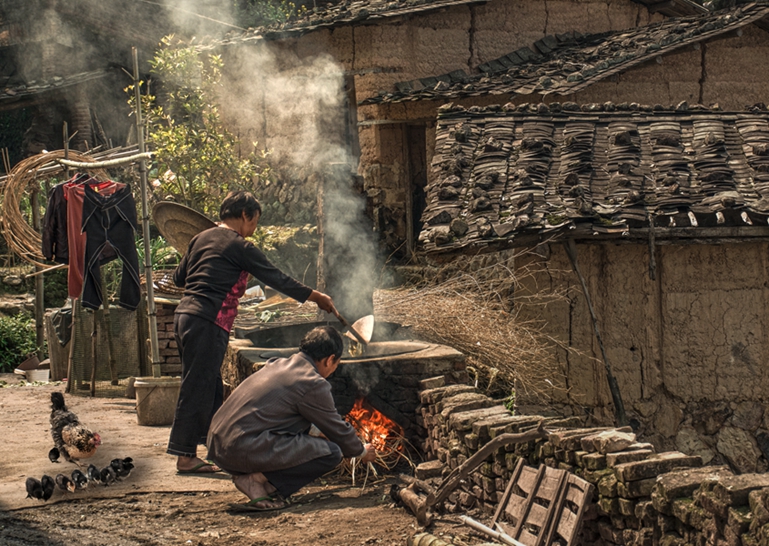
(195, 155)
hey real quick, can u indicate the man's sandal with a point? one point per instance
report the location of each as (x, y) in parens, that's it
(198, 469)
(251, 506)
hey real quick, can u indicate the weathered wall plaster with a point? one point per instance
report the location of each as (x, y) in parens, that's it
(686, 348)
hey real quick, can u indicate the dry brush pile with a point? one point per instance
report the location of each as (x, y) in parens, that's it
(468, 305)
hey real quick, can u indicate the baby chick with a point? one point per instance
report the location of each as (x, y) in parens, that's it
(108, 475)
(64, 483)
(53, 455)
(34, 488)
(48, 486)
(93, 473)
(79, 479)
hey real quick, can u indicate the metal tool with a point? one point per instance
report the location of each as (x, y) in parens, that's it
(363, 341)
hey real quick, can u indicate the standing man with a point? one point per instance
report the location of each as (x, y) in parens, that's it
(260, 435)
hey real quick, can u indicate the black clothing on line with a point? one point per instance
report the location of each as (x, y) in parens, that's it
(110, 220)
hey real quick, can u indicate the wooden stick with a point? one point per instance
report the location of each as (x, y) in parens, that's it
(619, 407)
(47, 270)
(107, 163)
(497, 535)
(422, 486)
(415, 503)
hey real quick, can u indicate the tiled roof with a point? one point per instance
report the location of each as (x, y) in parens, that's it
(567, 63)
(22, 92)
(347, 12)
(513, 175)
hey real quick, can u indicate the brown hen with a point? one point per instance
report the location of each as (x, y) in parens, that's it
(73, 439)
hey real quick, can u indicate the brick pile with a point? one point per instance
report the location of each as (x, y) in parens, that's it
(460, 420)
(707, 506)
(170, 361)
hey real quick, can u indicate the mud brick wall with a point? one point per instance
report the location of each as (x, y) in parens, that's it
(170, 361)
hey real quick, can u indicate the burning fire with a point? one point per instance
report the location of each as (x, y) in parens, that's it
(374, 427)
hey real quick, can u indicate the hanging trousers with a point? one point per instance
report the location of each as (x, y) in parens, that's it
(110, 220)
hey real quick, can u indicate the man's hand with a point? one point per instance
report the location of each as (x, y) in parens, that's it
(323, 301)
(370, 455)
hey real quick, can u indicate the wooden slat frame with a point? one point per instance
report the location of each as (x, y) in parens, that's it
(556, 520)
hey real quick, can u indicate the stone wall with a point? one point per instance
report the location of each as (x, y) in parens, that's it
(686, 348)
(170, 361)
(641, 497)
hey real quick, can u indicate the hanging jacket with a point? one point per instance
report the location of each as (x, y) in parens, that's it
(55, 246)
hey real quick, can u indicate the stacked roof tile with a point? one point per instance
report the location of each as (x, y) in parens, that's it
(515, 175)
(566, 63)
(346, 12)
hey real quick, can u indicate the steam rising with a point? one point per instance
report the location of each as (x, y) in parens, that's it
(295, 106)
(292, 104)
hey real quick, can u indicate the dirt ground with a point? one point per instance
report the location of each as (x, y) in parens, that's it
(156, 506)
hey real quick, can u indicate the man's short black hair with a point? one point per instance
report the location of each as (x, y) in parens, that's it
(237, 202)
(321, 342)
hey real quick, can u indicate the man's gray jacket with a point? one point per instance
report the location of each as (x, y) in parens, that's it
(263, 426)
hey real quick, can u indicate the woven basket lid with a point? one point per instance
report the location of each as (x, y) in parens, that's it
(179, 224)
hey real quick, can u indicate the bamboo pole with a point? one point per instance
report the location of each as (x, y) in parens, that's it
(107, 163)
(151, 312)
(39, 284)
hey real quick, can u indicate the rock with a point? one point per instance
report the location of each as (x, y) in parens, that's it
(655, 465)
(613, 459)
(740, 449)
(709, 419)
(689, 442)
(668, 418)
(613, 441)
(747, 415)
(463, 402)
(459, 227)
(734, 490)
(429, 469)
(12, 280)
(464, 420)
(637, 489)
(683, 483)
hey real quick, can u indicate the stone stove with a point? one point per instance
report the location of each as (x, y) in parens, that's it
(387, 377)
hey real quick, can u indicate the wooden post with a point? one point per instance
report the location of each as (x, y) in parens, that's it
(151, 313)
(39, 285)
(619, 407)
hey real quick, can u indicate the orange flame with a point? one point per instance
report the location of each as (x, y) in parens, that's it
(373, 426)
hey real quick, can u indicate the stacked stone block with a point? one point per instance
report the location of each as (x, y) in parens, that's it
(709, 506)
(624, 472)
(170, 361)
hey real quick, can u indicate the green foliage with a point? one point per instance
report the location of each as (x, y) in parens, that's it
(194, 152)
(260, 13)
(510, 402)
(55, 288)
(162, 255)
(17, 340)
